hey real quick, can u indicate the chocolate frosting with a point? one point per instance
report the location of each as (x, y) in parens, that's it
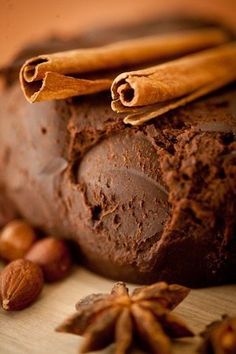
(148, 203)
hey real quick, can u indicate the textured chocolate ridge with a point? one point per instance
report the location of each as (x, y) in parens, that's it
(142, 203)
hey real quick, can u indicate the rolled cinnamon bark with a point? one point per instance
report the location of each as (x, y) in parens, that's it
(79, 72)
(148, 93)
(145, 204)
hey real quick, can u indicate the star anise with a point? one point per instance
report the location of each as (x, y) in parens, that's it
(142, 318)
(220, 337)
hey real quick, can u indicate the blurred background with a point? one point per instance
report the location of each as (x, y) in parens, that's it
(22, 21)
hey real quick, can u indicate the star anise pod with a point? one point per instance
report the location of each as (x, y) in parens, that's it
(220, 337)
(142, 318)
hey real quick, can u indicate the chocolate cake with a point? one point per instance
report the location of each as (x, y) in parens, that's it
(147, 203)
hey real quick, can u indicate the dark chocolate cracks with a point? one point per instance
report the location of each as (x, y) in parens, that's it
(143, 204)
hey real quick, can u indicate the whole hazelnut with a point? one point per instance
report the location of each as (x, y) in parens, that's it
(53, 256)
(16, 239)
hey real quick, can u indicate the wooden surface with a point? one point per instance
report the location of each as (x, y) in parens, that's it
(31, 331)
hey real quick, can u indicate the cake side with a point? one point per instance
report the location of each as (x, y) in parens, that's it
(155, 202)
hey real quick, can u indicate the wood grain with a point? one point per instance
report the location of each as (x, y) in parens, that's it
(32, 331)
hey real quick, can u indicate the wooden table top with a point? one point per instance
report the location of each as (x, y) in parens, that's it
(31, 331)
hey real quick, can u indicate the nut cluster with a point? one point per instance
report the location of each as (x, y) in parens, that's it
(32, 262)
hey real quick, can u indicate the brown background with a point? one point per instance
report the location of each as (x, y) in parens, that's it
(25, 20)
(32, 330)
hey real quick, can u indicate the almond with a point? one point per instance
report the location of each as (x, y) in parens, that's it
(53, 256)
(16, 239)
(21, 281)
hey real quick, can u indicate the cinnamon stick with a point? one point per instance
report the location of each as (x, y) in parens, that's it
(146, 94)
(80, 72)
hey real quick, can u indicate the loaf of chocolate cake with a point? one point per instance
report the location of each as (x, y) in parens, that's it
(147, 203)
